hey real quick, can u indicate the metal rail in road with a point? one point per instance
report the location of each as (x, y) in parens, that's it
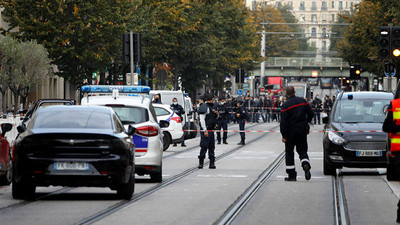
(339, 200)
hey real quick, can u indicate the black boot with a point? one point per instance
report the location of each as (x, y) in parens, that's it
(306, 167)
(201, 163)
(241, 142)
(291, 177)
(212, 164)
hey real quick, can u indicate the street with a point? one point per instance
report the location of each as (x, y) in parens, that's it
(189, 195)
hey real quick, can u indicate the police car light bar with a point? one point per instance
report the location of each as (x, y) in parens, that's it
(110, 88)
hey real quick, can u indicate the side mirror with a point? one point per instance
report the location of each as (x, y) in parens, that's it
(21, 128)
(164, 123)
(5, 127)
(131, 130)
(325, 120)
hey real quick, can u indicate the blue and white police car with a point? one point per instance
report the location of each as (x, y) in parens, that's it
(132, 105)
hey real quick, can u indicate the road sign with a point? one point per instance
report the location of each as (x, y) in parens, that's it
(239, 92)
(262, 89)
(391, 74)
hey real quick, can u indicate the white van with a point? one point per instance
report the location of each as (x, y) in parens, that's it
(166, 98)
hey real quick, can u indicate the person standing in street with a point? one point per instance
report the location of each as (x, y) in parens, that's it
(241, 116)
(208, 123)
(328, 105)
(296, 114)
(391, 125)
(222, 121)
(317, 107)
(178, 109)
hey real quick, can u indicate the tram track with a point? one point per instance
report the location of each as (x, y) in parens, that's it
(122, 204)
(341, 213)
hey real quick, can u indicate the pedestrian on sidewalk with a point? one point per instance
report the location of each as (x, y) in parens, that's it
(296, 114)
(208, 123)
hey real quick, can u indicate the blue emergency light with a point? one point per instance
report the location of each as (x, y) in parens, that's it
(110, 88)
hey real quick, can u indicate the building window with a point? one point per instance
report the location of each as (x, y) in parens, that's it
(302, 17)
(314, 44)
(333, 17)
(302, 6)
(323, 45)
(340, 5)
(324, 17)
(324, 6)
(253, 5)
(314, 32)
(333, 4)
(323, 32)
(290, 4)
(314, 6)
(351, 6)
(313, 17)
(265, 3)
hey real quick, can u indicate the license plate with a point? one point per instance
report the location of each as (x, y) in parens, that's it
(369, 153)
(71, 166)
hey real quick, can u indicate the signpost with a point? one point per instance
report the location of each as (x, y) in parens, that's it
(262, 89)
(239, 92)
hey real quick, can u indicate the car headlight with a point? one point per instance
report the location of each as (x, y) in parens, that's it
(335, 138)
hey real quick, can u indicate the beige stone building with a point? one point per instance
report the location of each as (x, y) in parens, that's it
(315, 16)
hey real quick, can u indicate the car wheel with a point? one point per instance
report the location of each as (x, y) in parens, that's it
(7, 177)
(156, 177)
(328, 169)
(193, 126)
(125, 191)
(391, 172)
(167, 141)
(23, 190)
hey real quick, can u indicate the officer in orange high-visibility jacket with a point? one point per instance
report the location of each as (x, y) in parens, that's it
(391, 125)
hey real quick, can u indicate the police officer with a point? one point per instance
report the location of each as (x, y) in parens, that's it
(241, 116)
(178, 109)
(208, 122)
(392, 126)
(296, 113)
(222, 121)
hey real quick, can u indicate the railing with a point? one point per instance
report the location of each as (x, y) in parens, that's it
(305, 62)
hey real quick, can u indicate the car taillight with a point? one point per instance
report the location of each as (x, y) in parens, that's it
(147, 131)
(177, 119)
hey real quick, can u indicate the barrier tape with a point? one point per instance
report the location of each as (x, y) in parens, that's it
(277, 131)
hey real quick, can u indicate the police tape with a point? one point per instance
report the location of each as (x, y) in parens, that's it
(277, 131)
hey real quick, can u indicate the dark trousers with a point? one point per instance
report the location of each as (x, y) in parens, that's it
(207, 143)
(317, 116)
(224, 125)
(241, 127)
(299, 141)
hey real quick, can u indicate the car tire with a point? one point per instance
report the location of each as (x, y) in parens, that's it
(167, 141)
(328, 168)
(391, 172)
(23, 190)
(193, 126)
(125, 191)
(7, 177)
(156, 177)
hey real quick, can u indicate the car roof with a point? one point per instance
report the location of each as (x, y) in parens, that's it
(140, 101)
(367, 95)
(57, 108)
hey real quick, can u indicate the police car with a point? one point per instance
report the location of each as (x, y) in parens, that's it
(132, 105)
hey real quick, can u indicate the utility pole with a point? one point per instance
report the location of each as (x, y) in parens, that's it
(262, 69)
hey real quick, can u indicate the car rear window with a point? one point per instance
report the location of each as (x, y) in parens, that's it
(73, 119)
(360, 111)
(131, 114)
(161, 111)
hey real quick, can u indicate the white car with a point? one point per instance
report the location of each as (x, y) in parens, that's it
(173, 133)
(133, 106)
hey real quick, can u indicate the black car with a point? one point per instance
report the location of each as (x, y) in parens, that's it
(74, 146)
(353, 135)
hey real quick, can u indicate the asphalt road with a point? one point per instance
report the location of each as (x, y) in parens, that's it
(203, 196)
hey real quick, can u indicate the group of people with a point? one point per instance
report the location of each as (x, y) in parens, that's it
(318, 107)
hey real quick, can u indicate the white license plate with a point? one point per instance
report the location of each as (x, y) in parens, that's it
(71, 166)
(369, 153)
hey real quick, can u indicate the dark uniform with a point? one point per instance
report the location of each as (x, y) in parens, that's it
(178, 109)
(208, 118)
(296, 113)
(241, 116)
(222, 122)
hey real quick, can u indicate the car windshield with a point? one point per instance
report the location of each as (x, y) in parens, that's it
(161, 111)
(360, 111)
(131, 114)
(73, 119)
(300, 92)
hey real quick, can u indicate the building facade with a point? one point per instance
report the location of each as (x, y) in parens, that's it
(316, 18)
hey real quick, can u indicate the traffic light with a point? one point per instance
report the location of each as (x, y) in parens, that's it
(395, 40)
(239, 76)
(384, 42)
(126, 47)
(355, 72)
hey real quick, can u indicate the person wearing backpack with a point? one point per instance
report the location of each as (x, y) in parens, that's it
(208, 122)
